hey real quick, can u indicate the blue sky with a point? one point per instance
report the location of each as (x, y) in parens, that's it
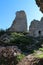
(8, 9)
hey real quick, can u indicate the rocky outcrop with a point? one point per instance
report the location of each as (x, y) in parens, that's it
(29, 60)
(19, 23)
(9, 50)
(5, 38)
(8, 55)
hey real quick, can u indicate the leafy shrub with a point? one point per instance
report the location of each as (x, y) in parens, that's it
(2, 32)
(41, 49)
(20, 57)
(21, 40)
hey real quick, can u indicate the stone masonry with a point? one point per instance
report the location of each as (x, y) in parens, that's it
(36, 28)
(19, 23)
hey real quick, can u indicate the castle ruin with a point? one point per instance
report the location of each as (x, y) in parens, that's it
(19, 23)
(36, 28)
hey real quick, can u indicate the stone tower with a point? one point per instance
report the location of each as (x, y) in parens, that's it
(20, 22)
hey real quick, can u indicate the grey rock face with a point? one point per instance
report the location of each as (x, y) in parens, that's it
(8, 55)
(29, 60)
(20, 22)
(36, 28)
(5, 38)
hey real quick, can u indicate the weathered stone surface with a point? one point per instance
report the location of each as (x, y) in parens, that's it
(36, 28)
(20, 22)
(29, 60)
(8, 55)
(5, 38)
(9, 51)
(40, 4)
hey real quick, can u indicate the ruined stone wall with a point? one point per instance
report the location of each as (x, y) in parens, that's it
(36, 28)
(20, 22)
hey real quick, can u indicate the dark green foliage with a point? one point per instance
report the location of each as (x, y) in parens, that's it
(2, 32)
(21, 40)
(20, 57)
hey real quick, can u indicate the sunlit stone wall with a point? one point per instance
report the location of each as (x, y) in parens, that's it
(19, 23)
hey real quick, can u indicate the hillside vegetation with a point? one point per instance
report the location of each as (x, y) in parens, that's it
(27, 44)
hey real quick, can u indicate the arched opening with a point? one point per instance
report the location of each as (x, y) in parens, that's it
(39, 32)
